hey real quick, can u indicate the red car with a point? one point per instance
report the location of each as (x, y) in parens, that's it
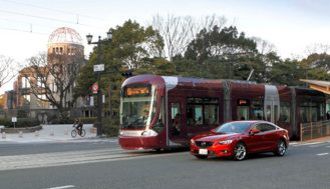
(238, 138)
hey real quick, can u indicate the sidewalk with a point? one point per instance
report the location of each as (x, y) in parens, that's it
(322, 139)
(48, 133)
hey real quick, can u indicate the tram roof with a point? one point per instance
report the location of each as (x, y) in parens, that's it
(322, 86)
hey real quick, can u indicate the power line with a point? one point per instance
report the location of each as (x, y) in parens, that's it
(21, 30)
(41, 17)
(54, 10)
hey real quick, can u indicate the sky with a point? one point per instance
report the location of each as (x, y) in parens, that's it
(290, 25)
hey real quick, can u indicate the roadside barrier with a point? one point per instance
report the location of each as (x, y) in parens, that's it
(20, 134)
(314, 130)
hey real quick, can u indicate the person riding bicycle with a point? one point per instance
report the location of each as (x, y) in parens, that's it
(79, 126)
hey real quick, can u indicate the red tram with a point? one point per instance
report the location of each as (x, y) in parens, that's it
(166, 111)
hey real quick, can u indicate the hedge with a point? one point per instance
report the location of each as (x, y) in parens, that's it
(110, 126)
(21, 122)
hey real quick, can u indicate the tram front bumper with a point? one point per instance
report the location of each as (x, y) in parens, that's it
(136, 143)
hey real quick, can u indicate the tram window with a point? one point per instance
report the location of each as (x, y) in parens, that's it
(257, 109)
(175, 109)
(211, 114)
(268, 113)
(202, 111)
(285, 112)
(176, 118)
(242, 112)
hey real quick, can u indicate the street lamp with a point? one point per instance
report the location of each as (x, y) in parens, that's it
(98, 68)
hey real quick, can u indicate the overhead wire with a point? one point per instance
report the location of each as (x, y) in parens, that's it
(55, 10)
(42, 17)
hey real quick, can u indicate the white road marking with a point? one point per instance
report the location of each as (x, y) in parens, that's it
(62, 187)
(322, 154)
(71, 158)
(307, 143)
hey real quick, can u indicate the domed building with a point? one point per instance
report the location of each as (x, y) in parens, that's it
(53, 77)
(65, 41)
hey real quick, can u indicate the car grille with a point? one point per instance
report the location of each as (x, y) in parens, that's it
(203, 144)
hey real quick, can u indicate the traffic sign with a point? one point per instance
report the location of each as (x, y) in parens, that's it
(98, 67)
(95, 88)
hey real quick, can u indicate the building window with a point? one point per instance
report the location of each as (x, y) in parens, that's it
(40, 82)
(26, 99)
(25, 82)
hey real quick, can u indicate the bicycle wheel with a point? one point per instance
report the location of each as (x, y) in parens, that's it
(74, 133)
(83, 133)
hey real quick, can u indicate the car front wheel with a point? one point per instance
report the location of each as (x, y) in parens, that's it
(239, 151)
(281, 148)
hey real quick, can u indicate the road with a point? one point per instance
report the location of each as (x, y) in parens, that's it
(102, 164)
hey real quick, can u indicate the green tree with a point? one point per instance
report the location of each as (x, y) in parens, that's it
(221, 53)
(132, 47)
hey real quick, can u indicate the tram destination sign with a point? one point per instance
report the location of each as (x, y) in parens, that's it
(137, 91)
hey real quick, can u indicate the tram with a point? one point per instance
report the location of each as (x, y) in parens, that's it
(158, 112)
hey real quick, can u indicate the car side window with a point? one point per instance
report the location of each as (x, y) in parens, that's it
(266, 127)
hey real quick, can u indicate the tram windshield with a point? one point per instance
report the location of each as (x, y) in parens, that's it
(137, 107)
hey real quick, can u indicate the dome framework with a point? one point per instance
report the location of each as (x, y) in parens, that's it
(65, 35)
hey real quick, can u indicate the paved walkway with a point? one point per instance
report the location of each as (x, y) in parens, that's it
(48, 133)
(322, 139)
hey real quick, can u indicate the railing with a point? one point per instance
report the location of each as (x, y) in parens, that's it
(314, 130)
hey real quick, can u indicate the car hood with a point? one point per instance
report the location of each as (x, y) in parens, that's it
(215, 137)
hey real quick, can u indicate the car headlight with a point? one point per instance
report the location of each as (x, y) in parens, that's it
(225, 142)
(192, 141)
(149, 132)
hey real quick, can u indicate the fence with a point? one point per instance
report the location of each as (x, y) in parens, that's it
(314, 130)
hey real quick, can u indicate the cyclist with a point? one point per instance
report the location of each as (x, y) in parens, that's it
(79, 126)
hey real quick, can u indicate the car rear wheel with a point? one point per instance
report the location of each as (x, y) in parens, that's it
(281, 148)
(239, 151)
(200, 156)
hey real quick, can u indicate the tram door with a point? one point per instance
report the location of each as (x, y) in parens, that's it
(271, 104)
(176, 129)
(271, 112)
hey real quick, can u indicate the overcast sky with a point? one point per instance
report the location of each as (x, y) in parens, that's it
(291, 25)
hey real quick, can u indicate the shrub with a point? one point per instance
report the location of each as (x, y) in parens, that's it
(88, 120)
(5, 121)
(62, 121)
(21, 122)
(110, 126)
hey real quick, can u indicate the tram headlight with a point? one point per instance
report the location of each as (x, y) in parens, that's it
(192, 141)
(149, 132)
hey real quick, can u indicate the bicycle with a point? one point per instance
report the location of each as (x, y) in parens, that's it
(75, 131)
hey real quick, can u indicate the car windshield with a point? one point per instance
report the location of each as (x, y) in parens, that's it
(232, 127)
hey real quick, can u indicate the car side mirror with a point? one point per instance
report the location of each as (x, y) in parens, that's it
(254, 131)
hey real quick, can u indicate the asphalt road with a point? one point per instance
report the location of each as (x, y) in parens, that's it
(108, 166)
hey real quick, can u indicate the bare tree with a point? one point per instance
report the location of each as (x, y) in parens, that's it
(317, 48)
(8, 69)
(52, 78)
(264, 46)
(179, 31)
